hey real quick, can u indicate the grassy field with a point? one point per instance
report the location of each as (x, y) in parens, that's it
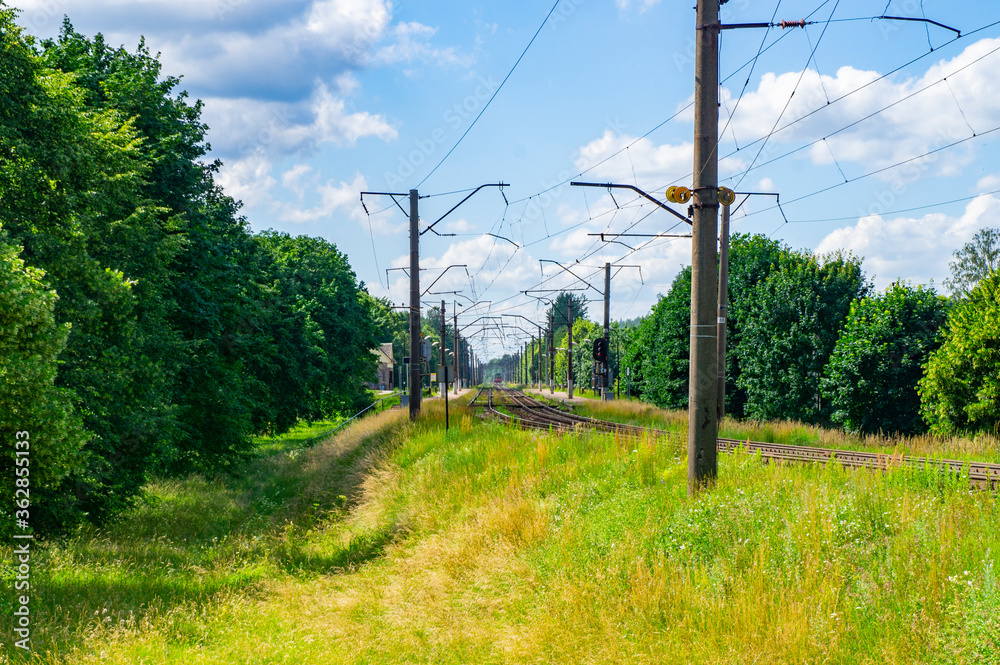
(981, 448)
(398, 543)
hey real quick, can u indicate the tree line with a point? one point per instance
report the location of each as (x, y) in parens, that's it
(809, 339)
(144, 328)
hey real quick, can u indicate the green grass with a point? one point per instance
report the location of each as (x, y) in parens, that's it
(400, 543)
(983, 448)
(303, 435)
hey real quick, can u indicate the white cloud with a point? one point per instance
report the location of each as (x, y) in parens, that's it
(988, 183)
(642, 4)
(248, 179)
(292, 178)
(411, 44)
(913, 249)
(641, 160)
(929, 119)
(240, 126)
(332, 198)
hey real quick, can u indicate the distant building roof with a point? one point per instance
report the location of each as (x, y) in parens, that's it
(384, 353)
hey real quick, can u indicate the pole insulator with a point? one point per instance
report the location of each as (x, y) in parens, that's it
(678, 194)
(793, 24)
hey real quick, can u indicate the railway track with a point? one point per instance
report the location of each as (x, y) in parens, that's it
(520, 410)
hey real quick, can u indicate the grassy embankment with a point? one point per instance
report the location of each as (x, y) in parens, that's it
(397, 543)
(981, 448)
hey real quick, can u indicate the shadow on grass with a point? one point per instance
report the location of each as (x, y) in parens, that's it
(357, 552)
(192, 539)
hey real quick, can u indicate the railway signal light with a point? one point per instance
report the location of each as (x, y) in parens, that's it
(601, 349)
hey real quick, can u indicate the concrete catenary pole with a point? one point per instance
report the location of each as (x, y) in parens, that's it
(539, 359)
(569, 353)
(723, 309)
(606, 364)
(552, 351)
(415, 392)
(702, 409)
(458, 372)
(443, 379)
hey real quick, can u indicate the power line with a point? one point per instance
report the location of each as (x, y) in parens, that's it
(493, 96)
(867, 117)
(896, 212)
(802, 74)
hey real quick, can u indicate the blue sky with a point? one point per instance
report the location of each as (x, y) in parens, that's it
(885, 149)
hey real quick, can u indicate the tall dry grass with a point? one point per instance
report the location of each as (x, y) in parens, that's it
(488, 544)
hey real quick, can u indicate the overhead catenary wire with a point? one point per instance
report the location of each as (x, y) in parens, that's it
(492, 97)
(802, 74)
(962, 36)
(778, 129)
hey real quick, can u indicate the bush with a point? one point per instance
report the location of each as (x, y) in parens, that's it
(960, 391)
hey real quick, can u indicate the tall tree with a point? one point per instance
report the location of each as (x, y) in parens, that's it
(211, 296)
(664, 339)
(795, 317)
(960, 392)
(33, 410)
(871, 379)
(559, 311)
(322, 320)
(752, 258)
(976, 261)
(71, 194)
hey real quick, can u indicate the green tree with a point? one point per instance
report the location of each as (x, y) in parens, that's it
(659, 357)
(210, 297)
(871, 378)
(752, 258)
(30, 402)
(584, 334)
(960, 392)
(794, 317)
(660, 367)
(976, 261)
(323, 327)
(623, 335)
(558, 312)
(71, 196)
(393, 326)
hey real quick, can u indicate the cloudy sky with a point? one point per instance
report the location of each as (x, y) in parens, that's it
(879, 136)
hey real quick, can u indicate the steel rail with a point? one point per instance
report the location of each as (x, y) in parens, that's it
(529, 413)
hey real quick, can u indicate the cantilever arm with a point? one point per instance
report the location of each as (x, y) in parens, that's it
(638, 191)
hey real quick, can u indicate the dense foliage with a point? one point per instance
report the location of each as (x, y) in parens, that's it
(797, 313)
(660, 369)
(961, 389)
(871, 379)
(173, 333)
(33, 410)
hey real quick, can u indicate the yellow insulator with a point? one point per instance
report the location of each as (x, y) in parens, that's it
(670, 194)
(682, 194)
(726, 196)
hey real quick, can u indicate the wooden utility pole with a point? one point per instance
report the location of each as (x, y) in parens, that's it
(415, 364)
(703, 423)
